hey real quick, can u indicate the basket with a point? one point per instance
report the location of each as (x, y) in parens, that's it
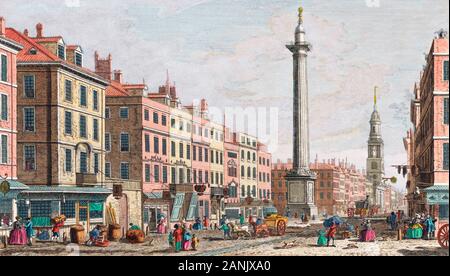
(135, 236)
(58, 219)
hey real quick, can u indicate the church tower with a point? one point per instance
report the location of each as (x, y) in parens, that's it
(375, 159)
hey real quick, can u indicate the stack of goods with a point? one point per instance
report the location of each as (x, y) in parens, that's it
(59, 219)
(114, 228)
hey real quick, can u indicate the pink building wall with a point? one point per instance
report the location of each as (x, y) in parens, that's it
(9, 88)
(264, 160)
(156, 156)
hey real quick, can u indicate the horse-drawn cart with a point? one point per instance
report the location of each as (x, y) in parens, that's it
(362, 210)
(442, 236)
(274, 225)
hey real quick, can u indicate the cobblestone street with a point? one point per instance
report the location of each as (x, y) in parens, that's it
(302, 240)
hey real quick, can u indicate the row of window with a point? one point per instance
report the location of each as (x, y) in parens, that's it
(68, 123)
(251, 173)
(155, 117)
(196, 129)
(247, 190)
(83, 95)
(264, 161)
(264, 177)
(247, 141)
(250, 156)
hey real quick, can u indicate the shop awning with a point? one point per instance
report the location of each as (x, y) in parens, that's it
(68, 192)
(437, 194)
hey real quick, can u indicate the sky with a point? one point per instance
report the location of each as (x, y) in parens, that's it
(232, 52)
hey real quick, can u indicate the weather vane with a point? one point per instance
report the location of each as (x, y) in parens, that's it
(300, 14)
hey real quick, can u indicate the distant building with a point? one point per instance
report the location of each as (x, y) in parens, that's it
(338, 186)
(375, 159)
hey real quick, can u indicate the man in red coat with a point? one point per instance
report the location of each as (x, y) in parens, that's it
(178, 237)
(331, 234)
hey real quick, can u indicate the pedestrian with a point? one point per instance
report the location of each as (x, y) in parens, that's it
(322, 240)
(29, 230)
(55, 229)
(393, 221)
(430, 227)
(241, 219)
(195, 242)
(178, 237)
(205, 222)
(226, 230)
(331, 234)
(134, 227)
(171, 241)
(187, 239)
(250, 219)
(18, 235)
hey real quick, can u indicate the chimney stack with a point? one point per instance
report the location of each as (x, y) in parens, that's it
(2, 26)
(25, 32)
(118, 76)
(39, 30)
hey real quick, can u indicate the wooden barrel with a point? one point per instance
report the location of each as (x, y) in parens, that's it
(77, 234)
(115, 232)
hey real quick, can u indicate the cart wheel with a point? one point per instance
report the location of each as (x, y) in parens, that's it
(443, 236)
(281, 228)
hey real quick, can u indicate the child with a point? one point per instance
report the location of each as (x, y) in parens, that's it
(187, 240)
(171, 240)
(195, 242)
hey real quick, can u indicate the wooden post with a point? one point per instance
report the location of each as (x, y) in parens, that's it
(77, 212)
(399, 233)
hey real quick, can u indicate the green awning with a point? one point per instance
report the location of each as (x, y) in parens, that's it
(437, 194)
(41, 192)
(16, 185)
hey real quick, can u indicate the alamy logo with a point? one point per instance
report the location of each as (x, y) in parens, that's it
(73, 3)
(373, 3)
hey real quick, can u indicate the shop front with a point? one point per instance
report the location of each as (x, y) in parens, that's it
(437, 201)
(80, 205)
(156, 206)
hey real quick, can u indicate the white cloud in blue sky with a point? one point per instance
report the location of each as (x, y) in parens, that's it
(232, 53)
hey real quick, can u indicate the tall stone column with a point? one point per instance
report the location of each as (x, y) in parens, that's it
(301, 179)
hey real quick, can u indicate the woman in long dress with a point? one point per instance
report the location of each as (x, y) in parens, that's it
(18, 234)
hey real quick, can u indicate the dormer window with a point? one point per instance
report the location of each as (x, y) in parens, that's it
(61, 51)
(32, 51)
(79, 59)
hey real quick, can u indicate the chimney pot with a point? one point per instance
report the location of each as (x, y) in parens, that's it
(39, 30)
(2, 26)
(25, 32)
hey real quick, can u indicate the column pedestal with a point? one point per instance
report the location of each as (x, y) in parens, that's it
(301, 194)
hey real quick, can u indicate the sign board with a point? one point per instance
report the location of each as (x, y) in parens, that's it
(297, 192)
(5, 187)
